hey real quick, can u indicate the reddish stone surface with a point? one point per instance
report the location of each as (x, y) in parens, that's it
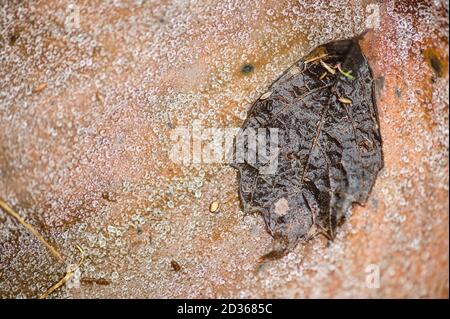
(117, 86)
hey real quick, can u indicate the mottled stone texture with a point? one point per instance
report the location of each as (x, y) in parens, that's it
(88, 110)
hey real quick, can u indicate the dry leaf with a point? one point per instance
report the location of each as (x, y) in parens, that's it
(322, 165)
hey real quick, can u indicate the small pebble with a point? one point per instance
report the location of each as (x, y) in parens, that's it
(214, 207)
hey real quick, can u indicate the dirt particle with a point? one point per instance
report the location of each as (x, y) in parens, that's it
(247, 69)
(97, 281)
(99, 97)
(13, 38)
(175, 266)
(109, 196)
(40, 87)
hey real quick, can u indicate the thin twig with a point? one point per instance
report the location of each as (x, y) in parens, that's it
(327, 67)
(64, 279)
(315, 58)
(30, 228)
(57, 285)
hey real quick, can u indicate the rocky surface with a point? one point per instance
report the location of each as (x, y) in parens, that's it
(91, 94)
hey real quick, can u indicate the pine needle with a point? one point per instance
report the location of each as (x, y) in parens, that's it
(68, 275)
(30, 228)
(66, 278)
(327, 67)
(319, 57)
(4, 206)
(345, 100)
